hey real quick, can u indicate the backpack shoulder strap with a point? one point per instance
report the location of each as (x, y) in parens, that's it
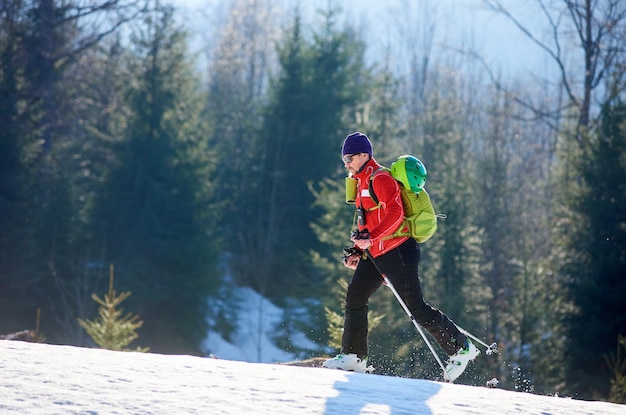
(371, 188)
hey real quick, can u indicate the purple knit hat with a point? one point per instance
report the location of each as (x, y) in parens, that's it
(356, 143)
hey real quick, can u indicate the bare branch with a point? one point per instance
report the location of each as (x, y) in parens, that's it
(554, 54)
(116, 12)
(547, 117)
(596, 24)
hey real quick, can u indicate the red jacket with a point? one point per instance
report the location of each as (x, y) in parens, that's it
(385, 220)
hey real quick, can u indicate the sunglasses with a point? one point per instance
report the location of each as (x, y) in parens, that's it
(348, 157)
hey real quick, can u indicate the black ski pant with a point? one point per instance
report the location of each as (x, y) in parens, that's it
(400, 265)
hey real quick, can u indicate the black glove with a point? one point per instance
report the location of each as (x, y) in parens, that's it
(352, 250)
(364, 234)
(349, 251)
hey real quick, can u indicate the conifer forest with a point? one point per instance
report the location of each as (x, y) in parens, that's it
(192, 169)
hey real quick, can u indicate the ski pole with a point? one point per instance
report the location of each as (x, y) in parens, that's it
(490, 349)
(408, 313)
(417, 326)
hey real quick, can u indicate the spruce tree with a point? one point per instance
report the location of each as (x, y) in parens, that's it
(111, 329)
(304, 124)
(617, 365)
(18, 138)
(156, 215)
(596, 263)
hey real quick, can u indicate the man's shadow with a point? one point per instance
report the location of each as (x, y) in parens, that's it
(397, 396)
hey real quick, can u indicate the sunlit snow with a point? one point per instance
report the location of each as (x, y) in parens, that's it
(47, 379)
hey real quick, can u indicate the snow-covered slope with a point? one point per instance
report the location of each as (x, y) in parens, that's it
(45, 379)
(255, 326)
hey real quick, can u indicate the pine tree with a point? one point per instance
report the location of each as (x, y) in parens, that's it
(596, 263)
(111, 329)
(304, 123)
(617, 364)
(156, 216)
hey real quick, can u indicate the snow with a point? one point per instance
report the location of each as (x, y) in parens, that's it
(51, 379)
(256, 324)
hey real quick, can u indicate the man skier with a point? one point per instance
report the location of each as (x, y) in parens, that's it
(374, 254)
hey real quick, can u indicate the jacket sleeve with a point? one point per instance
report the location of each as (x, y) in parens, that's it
(391, 212)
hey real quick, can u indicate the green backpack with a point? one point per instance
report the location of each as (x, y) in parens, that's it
(420, 216)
